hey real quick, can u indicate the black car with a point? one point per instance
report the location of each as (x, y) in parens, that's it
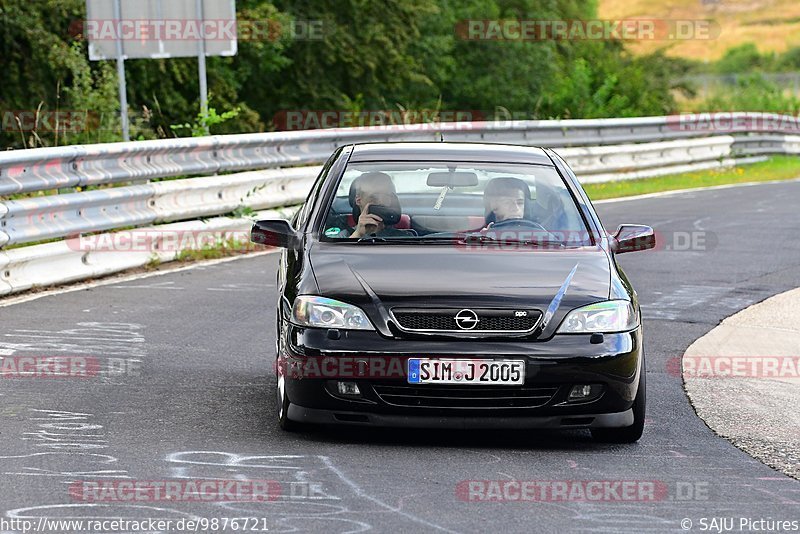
(456, 285)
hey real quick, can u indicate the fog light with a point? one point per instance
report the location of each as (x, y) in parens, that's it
(584, 392)
(348, 388)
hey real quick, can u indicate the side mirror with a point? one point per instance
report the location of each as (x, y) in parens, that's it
(633, 237)
(275, 233)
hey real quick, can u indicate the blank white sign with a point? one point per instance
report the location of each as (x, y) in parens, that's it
(160, 28)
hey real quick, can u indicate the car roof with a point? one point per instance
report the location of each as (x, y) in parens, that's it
(432, 151)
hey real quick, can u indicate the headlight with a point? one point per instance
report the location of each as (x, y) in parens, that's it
(321, 312)
(604, 317)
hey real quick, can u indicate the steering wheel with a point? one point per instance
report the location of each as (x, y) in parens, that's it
(518, 222)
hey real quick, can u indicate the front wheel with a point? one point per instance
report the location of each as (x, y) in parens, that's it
(628, 434)
(283, 406)
(282, 399)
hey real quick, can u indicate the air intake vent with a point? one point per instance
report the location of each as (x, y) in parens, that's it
(467, 320)
(465, 396)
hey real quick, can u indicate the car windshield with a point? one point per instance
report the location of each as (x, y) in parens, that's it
(391, 202)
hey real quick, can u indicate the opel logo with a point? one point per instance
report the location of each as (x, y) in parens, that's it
(466, 319)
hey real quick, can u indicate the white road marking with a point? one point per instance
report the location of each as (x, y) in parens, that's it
(672, 305)
(291, 511)
(364, 495)
(698, 224)
(237, 287)
(108, 339)
(160, 285)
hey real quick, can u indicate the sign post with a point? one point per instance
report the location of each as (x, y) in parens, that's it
(159, 29)
(201, 65)
(123, 86)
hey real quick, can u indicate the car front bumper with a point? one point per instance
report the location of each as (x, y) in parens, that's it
(554, 366)
(461, 421)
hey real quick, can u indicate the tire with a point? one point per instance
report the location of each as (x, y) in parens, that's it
(628, 434)
(282, 399)
(283, 407)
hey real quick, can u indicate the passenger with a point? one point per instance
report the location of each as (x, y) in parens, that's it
(506, 199)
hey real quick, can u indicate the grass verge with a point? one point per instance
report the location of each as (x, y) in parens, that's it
(775, 168)
(221, 249)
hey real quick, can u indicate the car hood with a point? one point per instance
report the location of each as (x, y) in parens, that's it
(374, 276)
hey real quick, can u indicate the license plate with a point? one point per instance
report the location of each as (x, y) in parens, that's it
(487, 372)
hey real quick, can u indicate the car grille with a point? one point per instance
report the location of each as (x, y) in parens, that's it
(465, 396)
(444, 320)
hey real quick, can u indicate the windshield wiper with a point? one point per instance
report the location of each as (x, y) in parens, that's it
(372, 239)
(407, 240)
(464, 239)
(483, 238)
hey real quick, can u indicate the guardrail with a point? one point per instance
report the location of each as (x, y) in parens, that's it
(40, 218)
(77, 259)
(77, 166)
(599, 150)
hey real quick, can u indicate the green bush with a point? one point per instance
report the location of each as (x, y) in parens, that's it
(751, 93)
(393, 54)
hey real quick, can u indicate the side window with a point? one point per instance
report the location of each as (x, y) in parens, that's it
(587, 209)
(301, 219)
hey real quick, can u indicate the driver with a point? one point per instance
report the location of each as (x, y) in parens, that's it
(506, 199)
(373, 188)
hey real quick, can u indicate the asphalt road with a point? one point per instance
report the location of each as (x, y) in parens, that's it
(190, 397)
